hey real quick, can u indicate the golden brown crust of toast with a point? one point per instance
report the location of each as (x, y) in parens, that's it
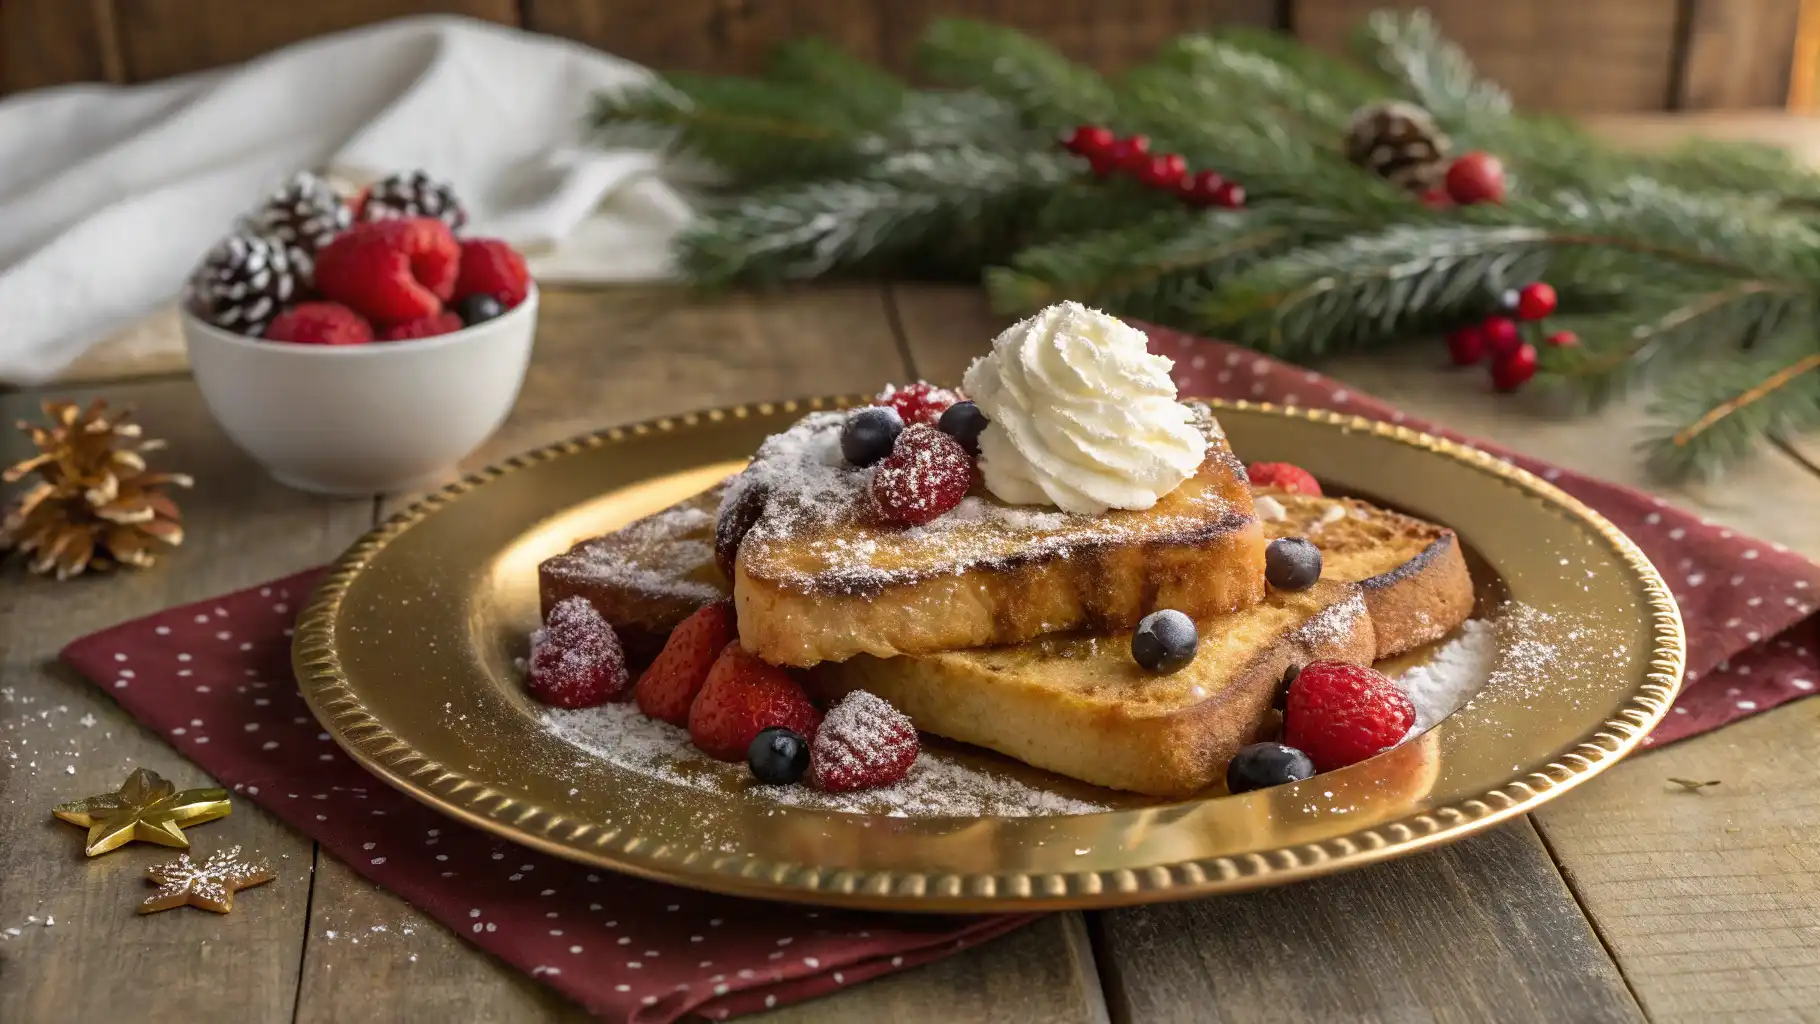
(645, 577)
(1081, 707)
(818, 579)
(1412, 572)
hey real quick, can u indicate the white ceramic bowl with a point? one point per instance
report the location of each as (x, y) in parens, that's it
(361, 419)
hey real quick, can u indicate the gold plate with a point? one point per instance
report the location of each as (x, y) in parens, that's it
(407, 654)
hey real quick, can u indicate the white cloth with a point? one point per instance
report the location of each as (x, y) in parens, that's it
(110, 195)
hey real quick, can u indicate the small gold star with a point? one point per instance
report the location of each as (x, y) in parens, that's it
(210, 885)
(147, 807)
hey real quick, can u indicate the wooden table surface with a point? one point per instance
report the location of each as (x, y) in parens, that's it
(1626, 899)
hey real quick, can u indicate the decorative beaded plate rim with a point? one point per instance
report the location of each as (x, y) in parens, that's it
(338, 703)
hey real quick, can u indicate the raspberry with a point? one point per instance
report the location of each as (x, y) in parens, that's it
(1284, 476)
(1340, 714)
(864, 742)
(741, 697)
(428, 327)
(320, 323)
(491, 267)
(921, 402)
(391, 271)
(925, 475)
(668, 687)
(576, 660)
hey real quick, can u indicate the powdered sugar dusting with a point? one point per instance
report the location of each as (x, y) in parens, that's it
(1453, 673)
(660, 555)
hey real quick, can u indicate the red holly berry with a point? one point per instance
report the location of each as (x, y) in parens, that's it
(1284, 476)
(320, 323)
(926, 475)
(1340, 714)
(1513, 369)
(1230, 195)
(1165, 171)
(1476, 177)
(921, 402)
(1535, 301)
(1130, 154)
(492, 267)
(864, 742)
(1199, 189)
(741, 697)
(1500, 335)
(668, 687)
(1466, 345)
(576, 659)
(1563, 339)
(444, 322)
(1090, 140)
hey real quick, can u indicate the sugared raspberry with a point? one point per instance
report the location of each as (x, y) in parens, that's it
(1284, 476)
(1340, 714)
(320, 323)
(576, 660)
(491, 267)
(863, 743)
(925, 475)
(444, 322)
(921, 402)
(741, 697)
(391, 271)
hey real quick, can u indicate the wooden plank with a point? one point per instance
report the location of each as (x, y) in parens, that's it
(53, 42)
(1573, 56)
(241, 529)
(160, 38)
(705, 35)
(1109, 37)
(1480, 930)
(613, 355)
(1738, 55)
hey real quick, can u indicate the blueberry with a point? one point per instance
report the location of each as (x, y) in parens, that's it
(1262, 765)
(478, 308)
(778, 756)
(1292, 563)
(1280, 701)
(963, 421)
(1165, 642)
(870, 434)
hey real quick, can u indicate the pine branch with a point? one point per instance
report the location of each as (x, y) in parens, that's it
(751, 128)
(1410, 48)
(814, 65)
(1266, 88)
(1715, 418)
(1051, 91)
(1348, 84)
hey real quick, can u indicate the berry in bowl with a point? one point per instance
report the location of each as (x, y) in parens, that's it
(359, 346)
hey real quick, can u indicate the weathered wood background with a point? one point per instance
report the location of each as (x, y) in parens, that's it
(1567, 55)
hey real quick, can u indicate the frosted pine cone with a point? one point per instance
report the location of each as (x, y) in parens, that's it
(305, 215)
(1399, 142)
(244, 281)
(414, 194)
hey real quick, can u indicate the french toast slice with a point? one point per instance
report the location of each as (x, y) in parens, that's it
(817, 578)
(1080, 706)
(645, 577)
(1412, 572)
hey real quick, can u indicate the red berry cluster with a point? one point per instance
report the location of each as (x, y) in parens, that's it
(1109, 154)
(1499, 339)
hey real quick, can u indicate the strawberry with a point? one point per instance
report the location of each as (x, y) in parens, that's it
(668, 687)
(391, 271)
(926, 474)
(491, 267)
(1284, 476)
(864, 742)
(428, 327)
(1339, 714)
(921, 402)
(576, 659)
(319, 323)
(742, 696)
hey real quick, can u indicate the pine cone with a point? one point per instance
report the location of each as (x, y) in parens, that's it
(244, 281)
(413, 194)
(1398, 142)
(95, 504)
(305, 215)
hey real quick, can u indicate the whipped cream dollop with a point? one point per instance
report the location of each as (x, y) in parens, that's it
(1082, 416)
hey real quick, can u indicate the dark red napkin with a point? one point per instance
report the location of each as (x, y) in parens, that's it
(1753, 641)
(215, 679)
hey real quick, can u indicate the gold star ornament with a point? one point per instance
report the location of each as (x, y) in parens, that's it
(147, 808)
(210, 885)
